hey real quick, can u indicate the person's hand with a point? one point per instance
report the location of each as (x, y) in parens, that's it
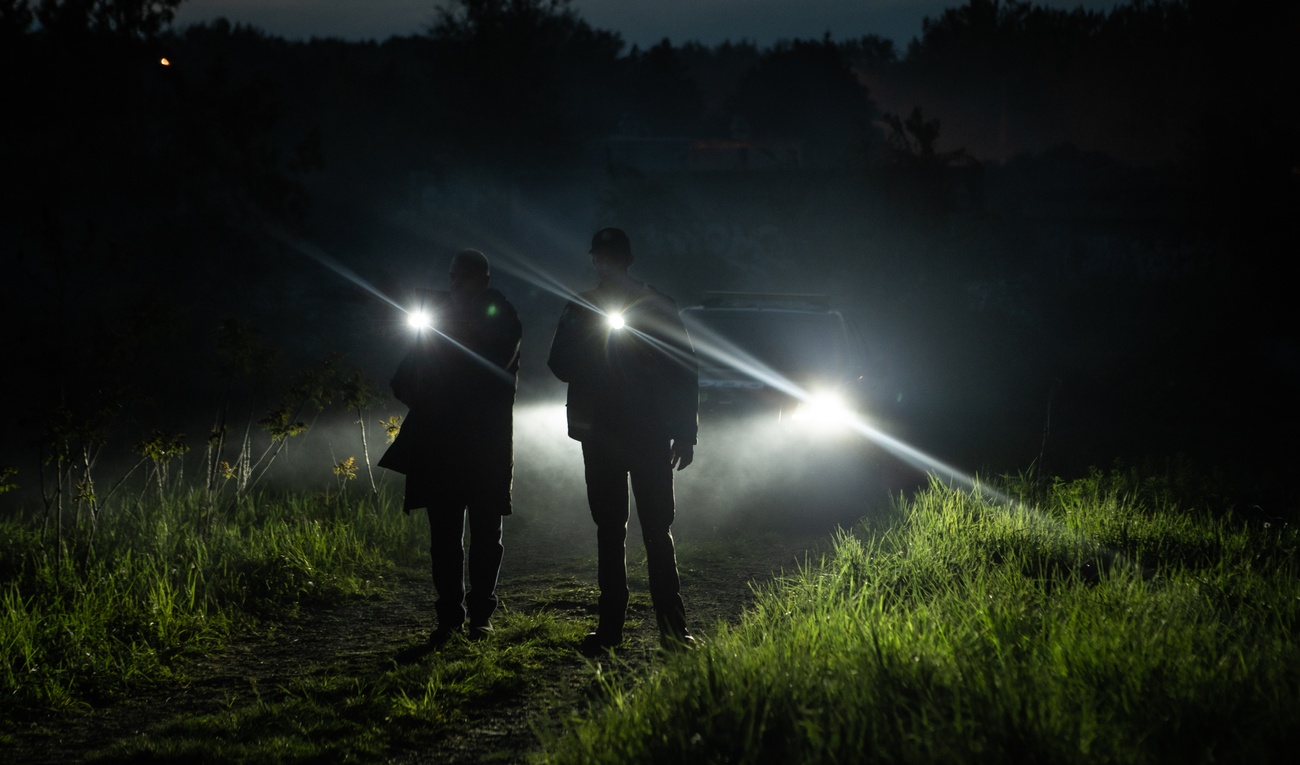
(681, 455)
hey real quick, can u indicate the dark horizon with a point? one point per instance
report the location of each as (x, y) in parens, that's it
(1063, 244)
(761, 22)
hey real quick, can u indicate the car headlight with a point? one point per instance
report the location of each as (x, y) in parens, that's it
(823, 411)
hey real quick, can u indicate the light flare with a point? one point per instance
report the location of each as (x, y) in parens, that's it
(711, 348)
(320, 256)
(419, 319)
(824, 411)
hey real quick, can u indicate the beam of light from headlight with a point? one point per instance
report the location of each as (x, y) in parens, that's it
(507, 258)
(709, 346)
(715, 348)
(930, 465)
(320, 256)
(493, 368)
(511, 260)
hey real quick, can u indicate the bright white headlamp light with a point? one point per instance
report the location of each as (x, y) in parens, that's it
(615, 320)
(419, 319)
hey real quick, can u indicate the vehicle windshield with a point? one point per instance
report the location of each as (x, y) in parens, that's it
(796, 344)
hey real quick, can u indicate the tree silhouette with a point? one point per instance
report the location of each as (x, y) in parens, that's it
(139, 19)
(527, 82)
(660, 98)
(919, 172)
(131, 175)
(805, 90)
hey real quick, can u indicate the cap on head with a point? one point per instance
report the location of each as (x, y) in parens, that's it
(470, 263)
(613, 243)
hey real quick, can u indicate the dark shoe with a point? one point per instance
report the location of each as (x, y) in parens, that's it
(676, 643)
(480, 630)
(441, 635)
(597, 643)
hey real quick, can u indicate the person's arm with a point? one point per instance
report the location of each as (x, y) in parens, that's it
(681, 454)
(683, 381)
(505, 333)
(684, 401)
(405, 382)
(570, 354)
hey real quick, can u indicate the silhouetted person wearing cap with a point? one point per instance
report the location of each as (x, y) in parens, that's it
(633, 403)
(456, 444)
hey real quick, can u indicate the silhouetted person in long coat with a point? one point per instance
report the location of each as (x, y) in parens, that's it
(456, 444)
(633, 403)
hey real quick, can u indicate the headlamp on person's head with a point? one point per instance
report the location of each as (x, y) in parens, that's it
(615, 319)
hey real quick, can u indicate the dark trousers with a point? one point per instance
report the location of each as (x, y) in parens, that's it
(447, 550)
(608, 466)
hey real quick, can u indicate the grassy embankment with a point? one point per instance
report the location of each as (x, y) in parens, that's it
(96, 619)
(1110, 624)
(86, 618)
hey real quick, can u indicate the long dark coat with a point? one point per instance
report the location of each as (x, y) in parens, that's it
(456, 445)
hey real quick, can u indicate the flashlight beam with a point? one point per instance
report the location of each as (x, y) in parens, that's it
(713, 347)
(320, 256)
(514, 262)
(491, 366)
(716, 348)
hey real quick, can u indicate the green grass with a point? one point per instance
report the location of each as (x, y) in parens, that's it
(1126, 618)
(86, 619)
(336, 714)
(87, 622)
(1113, 624)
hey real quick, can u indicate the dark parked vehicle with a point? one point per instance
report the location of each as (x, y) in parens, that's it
(782, 404)
(787, 357)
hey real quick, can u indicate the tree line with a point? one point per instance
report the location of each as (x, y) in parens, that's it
(144, 162)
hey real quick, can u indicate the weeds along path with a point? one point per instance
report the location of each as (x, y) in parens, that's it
(549, 569)
(351, 636)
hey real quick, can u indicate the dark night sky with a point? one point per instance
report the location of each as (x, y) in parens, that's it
(640, 23)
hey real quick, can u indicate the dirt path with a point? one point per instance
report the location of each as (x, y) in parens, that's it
(362, 636)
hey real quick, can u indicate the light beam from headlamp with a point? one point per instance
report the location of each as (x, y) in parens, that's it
(523, 266)
(319, 255)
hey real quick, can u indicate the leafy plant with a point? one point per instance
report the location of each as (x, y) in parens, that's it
(6, 479)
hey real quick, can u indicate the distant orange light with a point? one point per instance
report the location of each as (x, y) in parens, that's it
(164, 62)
